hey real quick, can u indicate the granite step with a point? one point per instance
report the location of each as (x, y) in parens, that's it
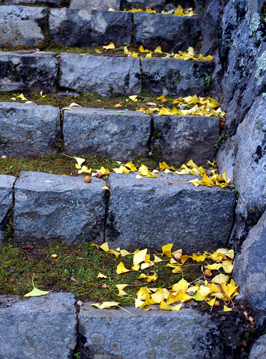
(30, 129)
(138, 213)
(79, 28)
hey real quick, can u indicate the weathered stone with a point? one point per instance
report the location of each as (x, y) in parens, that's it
(178, 139)
(258, 350)
(28, 71)
(74, 27)
(155, 334)
(175, 77)
(101, 74)
(109, 133)
(6, 200)
(168, 31)
(34, 2)
(250, 266)
(243, 158)
(155, 4)
(151, 212)
(27, 129)
(66, 94)
(51, 207)
(211, 28)
(41, 328)
(22, 25)
(95, 4)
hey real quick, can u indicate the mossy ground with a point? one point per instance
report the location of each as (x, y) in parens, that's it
(76, 269)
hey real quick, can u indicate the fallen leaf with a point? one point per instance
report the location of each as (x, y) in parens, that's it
(36, 293)
(100, 275)
(111, 46)
(121, 268)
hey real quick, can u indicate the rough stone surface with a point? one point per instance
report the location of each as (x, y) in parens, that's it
(150, 213)
(74, 27)
(101, 74)
(250, 266)
(175, 77)
(41, 328)
(168, 31)
(27, 129)
(178, 139)
(154, 334)
(28, 71)
(258, 350)
(109, 133)
(155, 4)
(22, 25)
(34, 2)
(95, 4)
(243, 158)
(211, 28)
(51, 207)
(6, 200)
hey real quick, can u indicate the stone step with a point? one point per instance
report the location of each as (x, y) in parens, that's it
(28, 129)
(79, 28)
(138, 213)
(6, 200)
(50, 327)
(30, 71)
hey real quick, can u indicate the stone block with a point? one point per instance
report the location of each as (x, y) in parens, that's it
(22, 25)
(155, 4)
(177, 139)
(172, 33)
(74, 27)
(258, 350)
(107, 76)
(51, 3)
(40, 328)
(52, 207)
(109, 133)
(151, 212)
(27, 129)
(28, 71)
(95, 4)
(175, 77)
(6, 200)
(155, 334)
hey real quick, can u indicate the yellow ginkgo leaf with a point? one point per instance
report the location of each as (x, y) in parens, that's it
(166, 249)
(220, 278)
(98, 51)
(163, 111)
(157, 259)
(226, 309)
(120, 288)
(124, 253)
(111, 46)
(36, 293)
(149, 55)
(106, 189)
(177, 269)
(199, 258)
(152, 278)
(131, 166)
(73, 104)
(141, 49)
(181, 286)
(111, 9)
(196, 182)
(163, 166)
(138, 303)
(79, 160)
(105, 305)
(116, 253)
(158, 49)
(139, 257)
(121, 169)
(136, 267)
(100, 275)
(85, 169)
(211, 302)
(133, 98)
(121, 268)
(165, 306)
(105, 247)
(177, 307)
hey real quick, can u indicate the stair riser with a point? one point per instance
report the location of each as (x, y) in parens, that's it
(28, 129)
(80, 27)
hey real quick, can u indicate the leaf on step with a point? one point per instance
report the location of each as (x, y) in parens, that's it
(100, 275)
(226, 309)
(105, 305)
(120, 288)
(79, 160)
(133, 98)
(106, 189)
(73, 104)
(131, 166)
(111, 9)
(36, 293)
(111, 46)
(118, 105)
(105, 247)
(158, 50)
(121, 268)
(141, 49)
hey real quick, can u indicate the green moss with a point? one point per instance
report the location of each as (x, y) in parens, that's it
(263, 12)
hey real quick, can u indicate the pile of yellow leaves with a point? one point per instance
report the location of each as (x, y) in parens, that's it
(209, 178)
(179, 11)
(219, 288)
(185, 106)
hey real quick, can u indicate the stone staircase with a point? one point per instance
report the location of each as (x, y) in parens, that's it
(136, 213)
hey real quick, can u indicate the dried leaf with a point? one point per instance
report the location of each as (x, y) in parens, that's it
(36, 293)
(121, 268)
(100, 275)
(120, 288)
(111, 46)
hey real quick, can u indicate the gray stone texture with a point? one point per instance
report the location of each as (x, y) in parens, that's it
(149, 212)
(211, 28)
(52, 207)
(155, 334)
(155, 4)
(22, 25)
(250, 266)
(177, 139)
(243, 158)
(243, 55)
(74, 27)
(6, 200)
(109, 133)
(50, 3)
(258, 350)
(39, 328)
(27, 129)
(28, 71)
(175, 77)
(117, 76)
(95, 4)
(168, 31)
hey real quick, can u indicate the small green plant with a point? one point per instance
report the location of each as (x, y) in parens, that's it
(207, 79)
(235, 189)
(201, 8)
(77, 355)
(220, 140)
